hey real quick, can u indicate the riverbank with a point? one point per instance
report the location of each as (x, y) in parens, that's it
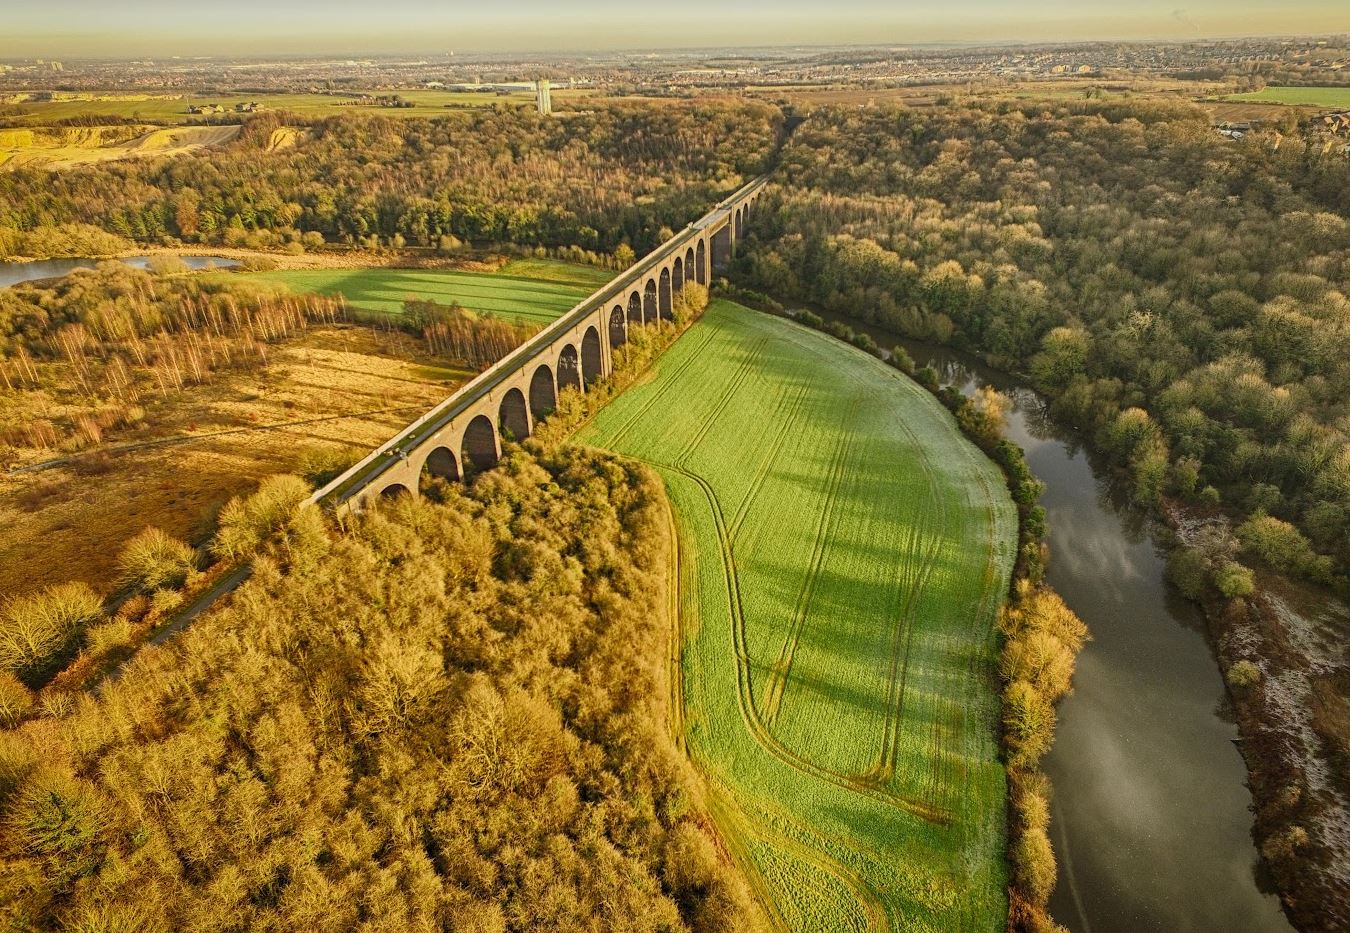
(1282, 650)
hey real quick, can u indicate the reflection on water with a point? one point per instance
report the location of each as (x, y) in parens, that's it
(1151, 813)
(12, 273)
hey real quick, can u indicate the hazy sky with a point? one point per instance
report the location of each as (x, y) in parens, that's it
(131, 28)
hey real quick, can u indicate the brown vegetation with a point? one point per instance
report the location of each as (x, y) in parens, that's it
(449, 716)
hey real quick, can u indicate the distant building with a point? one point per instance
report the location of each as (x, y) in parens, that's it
(542, 101)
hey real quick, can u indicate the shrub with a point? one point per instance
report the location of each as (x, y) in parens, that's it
(1028, 722)
(901, 360)
(1283, 844)
(1040, 659)
(321, 465)
(153, 560)
(1243, 675)
(39, 633)
(246, 522)
(165, 601)
(1282, 546)
(1034, 865)
(689, 303)
(109, 638)
(15, 700)
(166, 265)
(1233, 580)
(1186, 569)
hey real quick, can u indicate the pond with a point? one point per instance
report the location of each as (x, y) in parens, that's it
(12, 273)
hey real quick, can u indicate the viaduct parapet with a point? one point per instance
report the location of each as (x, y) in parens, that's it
(464, 432)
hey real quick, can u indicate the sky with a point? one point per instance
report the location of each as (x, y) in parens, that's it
(138, 28)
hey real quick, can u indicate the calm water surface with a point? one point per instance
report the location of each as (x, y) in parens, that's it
(12, 273)
(1151, 819)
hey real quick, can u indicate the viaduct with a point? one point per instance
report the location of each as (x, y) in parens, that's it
(463, 433)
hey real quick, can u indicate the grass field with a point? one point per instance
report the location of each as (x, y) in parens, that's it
(524, 291)
(1338, 97)
(842, 554)
(168, 109)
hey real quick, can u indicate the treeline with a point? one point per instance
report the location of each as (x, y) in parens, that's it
(1182, 298)
(454, 332)
(448, 716)
(592, 179)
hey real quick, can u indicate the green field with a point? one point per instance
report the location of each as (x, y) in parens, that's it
(1300, 96)
(153, 109)
(843, 551)
(525, 291)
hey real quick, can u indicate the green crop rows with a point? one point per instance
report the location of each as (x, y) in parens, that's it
(842, 555)
(528, 292)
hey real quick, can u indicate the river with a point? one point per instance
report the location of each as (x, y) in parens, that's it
(12, 273)
(1151, 820)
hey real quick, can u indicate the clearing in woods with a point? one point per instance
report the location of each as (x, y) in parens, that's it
(843, 552)
(524, 292)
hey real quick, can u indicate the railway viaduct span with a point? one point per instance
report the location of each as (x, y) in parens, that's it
(464, 432)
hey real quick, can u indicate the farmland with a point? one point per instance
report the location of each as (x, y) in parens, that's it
(169, 109)
(524, 292)
(1338, 97)
(842, 555)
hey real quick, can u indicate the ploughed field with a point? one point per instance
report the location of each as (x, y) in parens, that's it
(843, 552)
(524, 292)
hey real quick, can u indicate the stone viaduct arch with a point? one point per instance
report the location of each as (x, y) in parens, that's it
(569, 368)
(442, 462)
(543, 392)
(479, 445)
(591, 366)
(513, 417)
(664, 298)
(463, 434)
(650, 311)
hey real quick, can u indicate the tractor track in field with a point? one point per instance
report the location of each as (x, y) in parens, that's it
(749, 709)
(734, 384)
(873, 904)
(723, 799)
(675, 649)
(900, 652)
(794, 411)
(746, 697)
(883, 773)
(660, 393)
(782, 670)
